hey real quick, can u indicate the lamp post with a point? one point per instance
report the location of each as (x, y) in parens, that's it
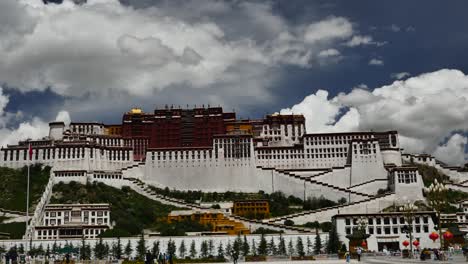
(408, 210)
(436, 195)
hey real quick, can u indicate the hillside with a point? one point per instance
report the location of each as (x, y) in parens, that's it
(130, 211)
(13, 185)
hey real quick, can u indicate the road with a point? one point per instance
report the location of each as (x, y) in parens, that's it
(370, 260)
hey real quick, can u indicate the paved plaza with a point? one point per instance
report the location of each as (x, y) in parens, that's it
(369, 260)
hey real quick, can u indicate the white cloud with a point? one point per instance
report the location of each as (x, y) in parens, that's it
(328, 53)
(376, 62)
(359, 40)
(400, 75)
(425, 109)
(321, 113)
(453, 151)
(63, 116)
(395, 28)
(328, 29)
(35, 128)
(104, 50)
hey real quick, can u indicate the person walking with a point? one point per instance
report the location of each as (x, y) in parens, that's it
(347, 257)
(359, 252)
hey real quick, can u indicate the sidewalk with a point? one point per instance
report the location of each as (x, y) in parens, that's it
(456, 259)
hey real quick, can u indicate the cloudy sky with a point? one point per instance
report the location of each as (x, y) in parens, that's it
(346, 65)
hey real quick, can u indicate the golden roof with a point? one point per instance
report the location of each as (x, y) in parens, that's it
(136, 110)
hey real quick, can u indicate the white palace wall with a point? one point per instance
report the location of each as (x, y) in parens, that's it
(70, 158)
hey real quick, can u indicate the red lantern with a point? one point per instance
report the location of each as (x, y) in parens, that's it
(416, 243)
(447, 235)
(364, 244)
(405, 243)
(434, 236)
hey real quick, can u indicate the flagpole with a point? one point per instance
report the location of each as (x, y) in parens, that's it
(27, 189)
(27, 202)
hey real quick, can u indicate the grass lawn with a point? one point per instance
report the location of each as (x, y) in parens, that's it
(130, 211)
(13, 185)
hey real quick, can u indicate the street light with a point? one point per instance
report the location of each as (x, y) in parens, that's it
(408, 210)
(436, 195)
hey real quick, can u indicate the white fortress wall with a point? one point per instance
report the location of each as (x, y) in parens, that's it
(298, 187)
(392, 156)
(68, 157)
(452, 172)
(338, 177)
(366, 162)
(371, 187)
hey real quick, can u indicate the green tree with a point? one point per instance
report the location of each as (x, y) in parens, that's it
(182, 249)
(254, 248)
(220, 254)
(47, 253)
(318, 243)
(236, 250)
(171, 248)
(309, 246)
(155, 249)
(245, 247)
(117, 249)
(107, 249)
(204, 249)
(88, 251)
(83, 251)
(272, 247)
(141, 248)
(54, 247)
(282, 246)
(40, 250)
(193, 250)
(99, 249)
(210, 247)
(228, 249)
(262, 246)
(21, 249)
(128, 249)
(333, 245)
(290, 248)
(300, 247)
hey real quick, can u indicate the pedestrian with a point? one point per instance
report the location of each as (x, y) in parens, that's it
(347, 257)
(148, 258)
(359, 252)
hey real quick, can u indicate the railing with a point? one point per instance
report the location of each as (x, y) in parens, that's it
(36, 218)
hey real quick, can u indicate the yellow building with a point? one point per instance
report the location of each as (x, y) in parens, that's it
(113, 130)
(219, 222)
(258, 209)
(239, 127)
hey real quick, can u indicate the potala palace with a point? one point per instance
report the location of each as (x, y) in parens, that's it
(210, 150)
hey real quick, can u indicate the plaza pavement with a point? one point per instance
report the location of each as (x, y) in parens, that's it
(369, 260)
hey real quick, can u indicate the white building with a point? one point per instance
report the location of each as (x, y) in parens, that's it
(67, 221)
(278, 156)
(386, 229)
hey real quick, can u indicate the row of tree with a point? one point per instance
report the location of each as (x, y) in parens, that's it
(207, 249)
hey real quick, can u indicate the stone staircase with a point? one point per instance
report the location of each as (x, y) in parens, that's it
(328, 212)
(367, 182)
(143, 189)
(136, 170)
(39, 211)
(310, 179)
